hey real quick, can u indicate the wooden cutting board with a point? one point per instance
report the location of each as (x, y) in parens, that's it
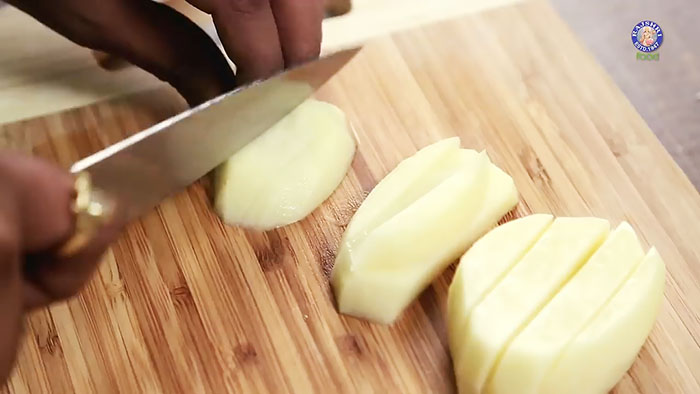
(183, 303)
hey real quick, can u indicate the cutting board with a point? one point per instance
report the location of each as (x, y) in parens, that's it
(184, 303)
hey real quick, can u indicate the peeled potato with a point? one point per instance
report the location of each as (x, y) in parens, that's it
(483, 266)
(527, 307)
(619, 329)
(287, 172)
(414, 223)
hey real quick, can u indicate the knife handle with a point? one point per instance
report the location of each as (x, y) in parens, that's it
(92, 210)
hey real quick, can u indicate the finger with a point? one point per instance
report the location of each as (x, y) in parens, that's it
(10, 281)
(52, 277)
(150, 35)
(249, 34)
(299, 26)
(32, 297)
(45, 196)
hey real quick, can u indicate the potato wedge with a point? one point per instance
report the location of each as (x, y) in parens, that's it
(561, 250)
(535, 350)
(483, 266)
(606, 348)
(538, 315)
(416, 221)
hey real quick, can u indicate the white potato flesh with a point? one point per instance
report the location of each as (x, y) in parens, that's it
(382, 251)
(606, 348)
(484, 265)
(384, 268)
(414, 223)
(287, 172)
(561, 250)
(411, 179)
(535, 350)
(568, 317)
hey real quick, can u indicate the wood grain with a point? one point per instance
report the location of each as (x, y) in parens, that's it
(665, 92)
(183, 303)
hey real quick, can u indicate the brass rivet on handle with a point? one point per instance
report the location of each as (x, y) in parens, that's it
(92, 210)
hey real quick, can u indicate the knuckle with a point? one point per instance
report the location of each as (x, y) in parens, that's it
(66, 277)
(306, 51)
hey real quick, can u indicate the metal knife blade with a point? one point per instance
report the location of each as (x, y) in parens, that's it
(149, 166)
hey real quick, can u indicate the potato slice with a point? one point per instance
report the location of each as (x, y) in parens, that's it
(411, 179)
(287, 172)
(535, 350)
(566, 316)
(416, 221)
(606, 348)
(561, 250)
(483, 266)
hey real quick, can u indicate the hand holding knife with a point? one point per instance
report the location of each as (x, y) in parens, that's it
(75, 220)
(54, 227)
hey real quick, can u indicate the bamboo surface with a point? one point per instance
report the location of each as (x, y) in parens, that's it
(183, 303)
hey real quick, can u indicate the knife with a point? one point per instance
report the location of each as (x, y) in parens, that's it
(147, 167)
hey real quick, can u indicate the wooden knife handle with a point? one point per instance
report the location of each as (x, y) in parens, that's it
(92, 209)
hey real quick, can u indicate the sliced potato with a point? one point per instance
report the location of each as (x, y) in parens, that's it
(536, 348)
(566, 316)
(561, 250)
(410, 180)
(483, 266)
(416, 221)
(606, 348)
(287, 172)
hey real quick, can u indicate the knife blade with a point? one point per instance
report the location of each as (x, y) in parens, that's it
(145, 168)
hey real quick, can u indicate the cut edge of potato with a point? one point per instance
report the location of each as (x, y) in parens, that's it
(499, 197)
(479, 372)
(314, 132)
(360, 259)
(471, 264)
(396, 191)
(517, 368)
(466, 180)
(639, 299)
(640, 284)
(393, 184)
